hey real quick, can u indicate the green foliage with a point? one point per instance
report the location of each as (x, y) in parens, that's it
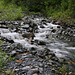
(1, 5)
(62, 8)
(34, 13)
(64, 15)
(8, 71)
(64, 5)
(4, 58)
(11, 12)
(62, 70)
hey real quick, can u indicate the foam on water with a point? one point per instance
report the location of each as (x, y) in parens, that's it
(13, 35)
(2, 30)
(60, 48)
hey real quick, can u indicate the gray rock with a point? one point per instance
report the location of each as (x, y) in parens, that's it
(13, 53)
(26, 26)
(53, 70)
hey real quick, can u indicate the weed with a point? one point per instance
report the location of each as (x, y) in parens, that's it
(4, 58)
(62, 70)
(10, 12)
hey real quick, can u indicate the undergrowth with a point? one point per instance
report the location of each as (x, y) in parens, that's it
(10, 11)
(4, 58)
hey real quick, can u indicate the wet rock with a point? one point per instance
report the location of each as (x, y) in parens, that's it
(8, 47)
(44, 20)
(54, 58)
(61, 60)
(41, 65)
(24, 68)
(26, 26)
(35, 74)
(53, 70)
(28, 35)
(41, 43)
(13, 53)
(3, 26)
(10, 40)
(2, 22)
(72, 24)
(18, 50)
(16, 46)
(15, 23)
(53, 21)
(58, 26)
(58, 22)
(35, 71)
(52, 54)
(33, 52)
(70, 73)
(41, 26)
(53, 30)
(50, 64)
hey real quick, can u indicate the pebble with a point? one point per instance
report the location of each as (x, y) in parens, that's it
(53, 69)
(13, 53)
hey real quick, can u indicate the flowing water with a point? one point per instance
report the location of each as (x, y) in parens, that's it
(62, 48)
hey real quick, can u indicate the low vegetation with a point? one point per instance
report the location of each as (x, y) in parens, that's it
(11, 9)
(4, 58)
(62, 70)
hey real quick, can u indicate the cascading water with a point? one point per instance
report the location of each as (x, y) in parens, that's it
(47, 34)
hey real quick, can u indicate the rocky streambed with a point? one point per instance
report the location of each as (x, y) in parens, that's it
(39, 47)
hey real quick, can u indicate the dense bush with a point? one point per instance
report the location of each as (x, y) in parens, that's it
(47, 7)
(10, 11)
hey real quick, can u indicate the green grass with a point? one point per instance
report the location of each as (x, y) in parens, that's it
(62, 70)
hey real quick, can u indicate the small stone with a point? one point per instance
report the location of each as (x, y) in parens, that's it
(42, 26)
(58, 26)
(58, 22)
(18, 50)
(41, 70)
(33, 52)
(35, 74)
(25, 26)
(8, 47)
(34, 69)
(46, 66)
(53, 70)
(13, 53)
(16, 69)
(41, 65)
(49, 64)
(28, 67)
(70, 73)
(41, 43)
(53, 31)
(24, 68)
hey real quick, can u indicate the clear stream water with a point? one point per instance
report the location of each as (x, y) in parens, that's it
(62, 48)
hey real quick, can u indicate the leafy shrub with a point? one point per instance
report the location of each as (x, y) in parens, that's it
(11, 12)
(1, 5)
